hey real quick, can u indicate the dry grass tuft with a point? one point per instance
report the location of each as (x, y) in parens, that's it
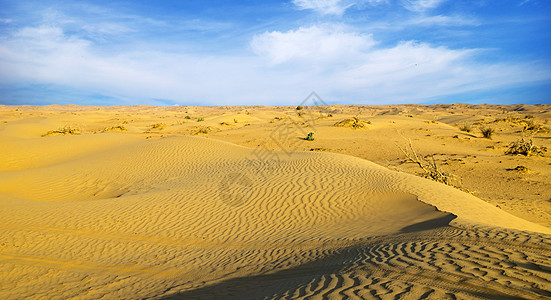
(487, 132)
(353, 123)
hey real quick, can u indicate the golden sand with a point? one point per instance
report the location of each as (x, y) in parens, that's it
(142, 202)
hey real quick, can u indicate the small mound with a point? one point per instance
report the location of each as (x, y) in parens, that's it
(352, 123)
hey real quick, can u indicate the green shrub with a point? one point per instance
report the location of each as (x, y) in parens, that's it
(187, 117)
(200, 119)
(310, 136)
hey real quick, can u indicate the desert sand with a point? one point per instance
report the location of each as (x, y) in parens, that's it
(232, 202)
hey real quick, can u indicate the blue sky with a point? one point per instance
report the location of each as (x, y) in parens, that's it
(275, 52)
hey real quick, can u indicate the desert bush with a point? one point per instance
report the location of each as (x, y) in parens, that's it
(200, 119)
(487, 132)
(300, 107)
(466, 128)
(187, 117)
(158, 126)
(310, 136)
(354, 123)
(525, 147)
(63, 131)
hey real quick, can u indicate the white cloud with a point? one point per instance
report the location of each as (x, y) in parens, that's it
(421, 5)
(311, 44)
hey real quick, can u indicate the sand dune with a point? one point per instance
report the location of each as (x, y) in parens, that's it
(109, 214)
(124, 217)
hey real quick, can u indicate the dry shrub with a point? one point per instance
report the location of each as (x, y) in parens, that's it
(525, 147)
(63, 131)
(429, 167)
(353, 123)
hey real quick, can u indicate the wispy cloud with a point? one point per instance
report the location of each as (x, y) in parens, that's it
(324, 7)
(421, 5)
(333, 7)
(441, 20)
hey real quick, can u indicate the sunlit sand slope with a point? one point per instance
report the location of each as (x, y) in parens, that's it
(193, 217)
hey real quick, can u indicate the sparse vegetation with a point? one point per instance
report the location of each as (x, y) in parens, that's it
(528, 123)
(187, 117)
(353, 123)
(525, 147)
(487, 132)
(63, 131)
(300, 107)
(310, 136)
(200, 119)
(534, 127)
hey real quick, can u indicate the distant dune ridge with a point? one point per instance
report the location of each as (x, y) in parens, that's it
(118, 216)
